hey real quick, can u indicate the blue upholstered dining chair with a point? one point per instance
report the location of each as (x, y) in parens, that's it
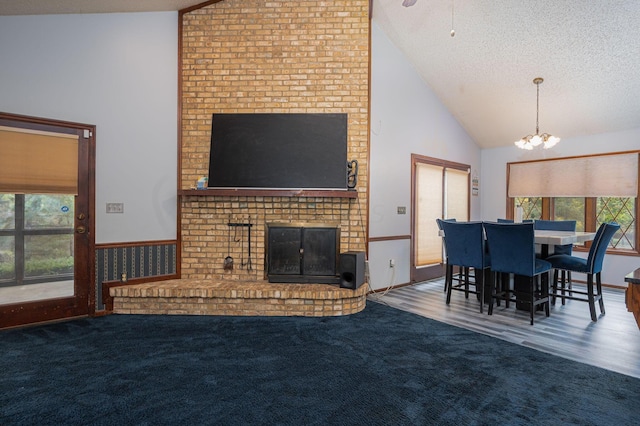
(592, 266)
(559, 225)
(513, 251)
(465, 245)
(463, 273)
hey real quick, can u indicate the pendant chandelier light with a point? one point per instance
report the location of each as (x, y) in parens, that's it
(531, 141)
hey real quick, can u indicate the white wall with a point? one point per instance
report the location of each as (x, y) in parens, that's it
(406, 118)
(119, 72)
(493, 182)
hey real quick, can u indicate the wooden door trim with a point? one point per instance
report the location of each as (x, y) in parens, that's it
(63, 308)
(417, 274)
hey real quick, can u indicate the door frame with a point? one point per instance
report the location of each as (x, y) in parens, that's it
(83, 302)
(424, 273)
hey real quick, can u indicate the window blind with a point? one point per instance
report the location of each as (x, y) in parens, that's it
(429, 206)
(457, 194)
(611, 175)
(37, 162)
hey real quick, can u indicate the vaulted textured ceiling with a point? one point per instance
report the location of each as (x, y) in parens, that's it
(587, 51)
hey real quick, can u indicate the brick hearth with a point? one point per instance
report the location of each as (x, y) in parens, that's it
(239, 298)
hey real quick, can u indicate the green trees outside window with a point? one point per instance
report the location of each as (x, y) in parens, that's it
(36, 237)
(589, 214)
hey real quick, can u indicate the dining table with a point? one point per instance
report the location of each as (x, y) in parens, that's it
(547, 238)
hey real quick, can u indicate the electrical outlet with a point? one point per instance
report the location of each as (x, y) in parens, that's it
(115, 207)
(402, 210)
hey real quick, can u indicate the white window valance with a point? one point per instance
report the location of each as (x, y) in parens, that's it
(610, 175)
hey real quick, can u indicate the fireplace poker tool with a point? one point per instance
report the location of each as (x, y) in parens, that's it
(242, 226)
(249, 244)
(242, 246)
(228, 261)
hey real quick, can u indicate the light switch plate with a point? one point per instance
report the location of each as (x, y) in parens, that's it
(115, 207)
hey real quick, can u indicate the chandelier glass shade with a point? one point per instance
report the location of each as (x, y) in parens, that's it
(531, 141)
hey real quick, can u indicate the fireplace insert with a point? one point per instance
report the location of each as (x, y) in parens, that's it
(302, 253)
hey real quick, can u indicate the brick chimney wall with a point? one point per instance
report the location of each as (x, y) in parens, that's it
(244, 56)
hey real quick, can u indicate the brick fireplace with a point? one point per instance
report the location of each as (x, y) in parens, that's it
(207, 239)
(207, 288)
(251, 56)
(285, 57)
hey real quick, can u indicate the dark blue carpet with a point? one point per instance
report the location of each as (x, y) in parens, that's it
(379, 367)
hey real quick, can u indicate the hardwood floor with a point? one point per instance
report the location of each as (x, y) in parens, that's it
(613, 342)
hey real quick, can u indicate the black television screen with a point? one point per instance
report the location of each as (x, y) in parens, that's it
(278, 151)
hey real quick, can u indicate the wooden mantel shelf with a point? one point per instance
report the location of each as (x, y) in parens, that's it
(330, 193)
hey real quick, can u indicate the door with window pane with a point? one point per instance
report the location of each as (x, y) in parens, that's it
(440, 190)
(46, 220)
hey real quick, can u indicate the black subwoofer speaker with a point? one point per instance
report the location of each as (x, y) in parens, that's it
(352, 266)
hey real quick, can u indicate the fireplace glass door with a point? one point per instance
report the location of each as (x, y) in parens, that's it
(302, 254)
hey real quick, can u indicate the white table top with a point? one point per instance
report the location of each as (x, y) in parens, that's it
(562, 237)
(556, 237)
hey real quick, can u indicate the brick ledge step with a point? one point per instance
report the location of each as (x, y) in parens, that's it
(247, 298)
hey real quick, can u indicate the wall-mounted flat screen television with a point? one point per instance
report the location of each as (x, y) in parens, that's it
(278, 151)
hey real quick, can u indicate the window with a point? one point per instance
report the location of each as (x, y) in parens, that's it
(531, 207)
(440, 190)
(451, 201)
(7, 239)
(607, 209)
(456, 191)
(622, 211)
(590, 190)
(36, 238)
(569, 208)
